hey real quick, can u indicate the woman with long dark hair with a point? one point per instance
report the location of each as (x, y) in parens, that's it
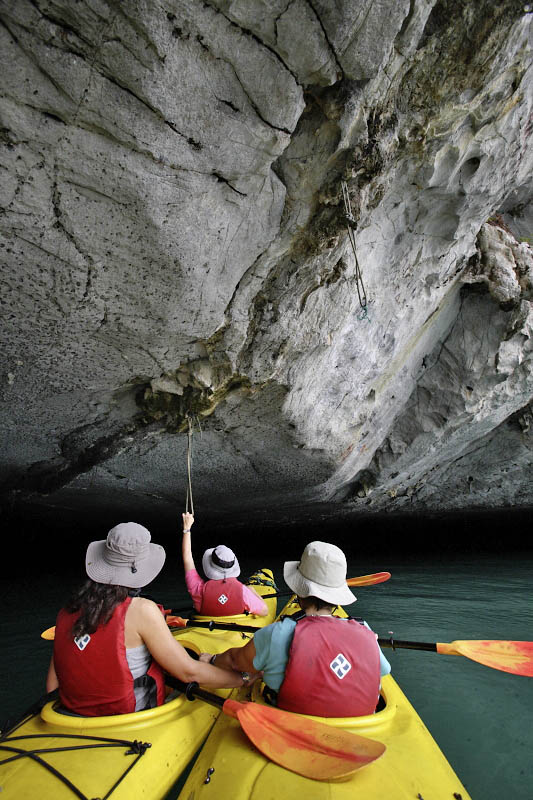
(111, 646)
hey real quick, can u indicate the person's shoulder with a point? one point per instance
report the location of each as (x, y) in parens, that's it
(283, 627)
(143, 606)
(289, 621)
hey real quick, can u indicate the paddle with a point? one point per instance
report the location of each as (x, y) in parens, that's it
(362, 580)
(211, 624)
(49, 633)
(515, 657)
(507, 656)
(180, 622)
(309, 748)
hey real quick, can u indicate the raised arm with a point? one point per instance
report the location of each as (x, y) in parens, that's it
(254, 603)
(188, 560)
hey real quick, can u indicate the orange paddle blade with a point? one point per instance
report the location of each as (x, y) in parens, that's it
(369, 580)
(176, 622)
(49, 633)
(514, 657)
(307, 747)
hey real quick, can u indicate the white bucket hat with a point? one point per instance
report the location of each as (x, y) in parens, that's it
(220, 562)
(125, 558)
(320, 573)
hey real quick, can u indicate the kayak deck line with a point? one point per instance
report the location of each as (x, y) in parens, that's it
(136, 748)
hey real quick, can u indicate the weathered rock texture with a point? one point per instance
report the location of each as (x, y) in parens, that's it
(174, 244)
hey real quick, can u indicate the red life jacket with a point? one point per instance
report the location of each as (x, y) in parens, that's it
(93, 673)
(333, 669)
(222, 598)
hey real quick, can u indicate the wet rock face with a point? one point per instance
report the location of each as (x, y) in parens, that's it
(176, 252)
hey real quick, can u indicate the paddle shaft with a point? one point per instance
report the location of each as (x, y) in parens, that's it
(362, 580)
(192, 690)
(398, 643)
(213, 626)
(383, 642)
(191, 623)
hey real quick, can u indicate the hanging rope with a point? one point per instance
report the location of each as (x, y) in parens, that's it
(361, 293)
(189, 466)
(190, 430)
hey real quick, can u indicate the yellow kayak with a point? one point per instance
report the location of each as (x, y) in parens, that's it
(51, 755)
(412, 767)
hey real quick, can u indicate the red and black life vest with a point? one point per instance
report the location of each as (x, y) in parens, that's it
(93, 673)
(333, 669)
(222, 598)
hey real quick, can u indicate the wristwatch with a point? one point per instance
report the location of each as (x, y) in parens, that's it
(245, 678)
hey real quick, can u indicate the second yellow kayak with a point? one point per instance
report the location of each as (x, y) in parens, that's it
(412, 767)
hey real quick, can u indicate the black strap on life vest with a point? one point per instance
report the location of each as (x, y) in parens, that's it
(297, 616)
(143, 682)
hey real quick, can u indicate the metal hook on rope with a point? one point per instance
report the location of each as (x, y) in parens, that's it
(351, 224)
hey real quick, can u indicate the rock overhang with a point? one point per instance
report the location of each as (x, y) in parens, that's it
(176, 243)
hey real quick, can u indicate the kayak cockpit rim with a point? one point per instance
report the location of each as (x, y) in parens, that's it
(383, 716)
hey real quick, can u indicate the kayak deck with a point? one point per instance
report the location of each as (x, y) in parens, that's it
(142, 754)
(412, 767)
(81, 757)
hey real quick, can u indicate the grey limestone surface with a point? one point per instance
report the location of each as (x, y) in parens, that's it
(175, 251)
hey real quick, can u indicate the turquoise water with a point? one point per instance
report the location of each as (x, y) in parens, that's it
(480, 717)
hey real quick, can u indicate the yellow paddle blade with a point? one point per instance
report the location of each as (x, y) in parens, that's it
(307, 747)
(514, 657)
(49, 633)
(369, 580)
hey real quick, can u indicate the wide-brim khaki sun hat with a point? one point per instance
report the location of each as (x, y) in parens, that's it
(220, 562)
(126, 558)
(321, 573)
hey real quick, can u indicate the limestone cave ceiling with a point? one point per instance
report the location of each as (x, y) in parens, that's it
(175, 247)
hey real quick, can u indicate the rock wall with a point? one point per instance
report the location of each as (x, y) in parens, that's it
(176, 252)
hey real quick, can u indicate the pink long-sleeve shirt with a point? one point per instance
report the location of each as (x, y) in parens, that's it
(196, 587)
